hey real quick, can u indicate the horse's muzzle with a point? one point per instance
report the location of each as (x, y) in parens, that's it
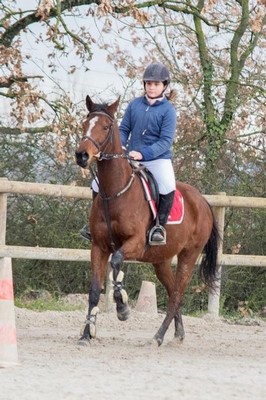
(82, 158)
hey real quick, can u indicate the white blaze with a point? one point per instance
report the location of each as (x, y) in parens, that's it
(91, 125)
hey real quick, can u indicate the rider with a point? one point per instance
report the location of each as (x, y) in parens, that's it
(147, 132)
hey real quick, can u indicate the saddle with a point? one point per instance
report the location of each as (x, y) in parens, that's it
(151, 190)
(149, 183)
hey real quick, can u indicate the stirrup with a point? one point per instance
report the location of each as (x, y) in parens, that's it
(153, 242)
(85, 234)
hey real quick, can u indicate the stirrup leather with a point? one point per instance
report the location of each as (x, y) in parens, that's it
(154, 242)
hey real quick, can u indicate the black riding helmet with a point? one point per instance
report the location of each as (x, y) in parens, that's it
(156, 72)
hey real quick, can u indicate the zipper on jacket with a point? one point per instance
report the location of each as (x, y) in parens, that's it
(143, 133)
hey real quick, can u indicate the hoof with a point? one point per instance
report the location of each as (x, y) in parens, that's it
(158, 340)
(152, 343)
(179, 332)
(83, 342)
(180, 338)
(123, 316)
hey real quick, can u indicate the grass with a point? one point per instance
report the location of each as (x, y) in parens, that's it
(47, 305)
(51, 304)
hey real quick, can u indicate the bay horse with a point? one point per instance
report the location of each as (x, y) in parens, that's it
(120, 219)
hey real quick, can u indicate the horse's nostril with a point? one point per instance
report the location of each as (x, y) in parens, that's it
(82, 158)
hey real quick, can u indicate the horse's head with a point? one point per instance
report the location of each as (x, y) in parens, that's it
(98, 129)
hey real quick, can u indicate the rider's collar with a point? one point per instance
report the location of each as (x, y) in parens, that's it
(153, 100)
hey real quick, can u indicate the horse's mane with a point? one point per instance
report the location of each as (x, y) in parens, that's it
(172, 95)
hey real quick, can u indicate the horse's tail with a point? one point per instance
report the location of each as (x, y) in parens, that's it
(208, 267)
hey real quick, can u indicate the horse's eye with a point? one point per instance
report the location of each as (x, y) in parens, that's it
(106, 127)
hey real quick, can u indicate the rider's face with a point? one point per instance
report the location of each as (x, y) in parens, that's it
(154, 88)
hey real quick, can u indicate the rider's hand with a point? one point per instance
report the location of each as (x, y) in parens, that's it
(136, 155)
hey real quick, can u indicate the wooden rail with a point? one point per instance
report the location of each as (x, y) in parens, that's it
(61, 254)
(219, 202)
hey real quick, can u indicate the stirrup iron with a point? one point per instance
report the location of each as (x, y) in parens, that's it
(154, 242)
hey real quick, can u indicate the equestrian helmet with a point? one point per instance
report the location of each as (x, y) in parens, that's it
(156, 72)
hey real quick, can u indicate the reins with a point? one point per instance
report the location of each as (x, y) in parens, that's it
(108, 157)
(103, 195)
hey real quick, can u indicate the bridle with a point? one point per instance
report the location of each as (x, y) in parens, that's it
(109, 136)
(108, 156)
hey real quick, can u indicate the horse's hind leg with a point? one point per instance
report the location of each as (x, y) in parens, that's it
(179, 328)
(119, 293)
(165, 275)
(186, 261)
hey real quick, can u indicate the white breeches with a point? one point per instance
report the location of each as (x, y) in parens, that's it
(163, 172)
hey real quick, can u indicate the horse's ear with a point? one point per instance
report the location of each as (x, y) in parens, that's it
(89, 103)
(113, 107)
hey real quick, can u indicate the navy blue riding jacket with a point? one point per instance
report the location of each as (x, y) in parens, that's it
(149, 129)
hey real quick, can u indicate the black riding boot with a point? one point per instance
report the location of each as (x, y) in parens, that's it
(85, 230)
(158, 234)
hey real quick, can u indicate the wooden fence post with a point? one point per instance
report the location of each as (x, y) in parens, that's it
(3, 215)
(8, 338)
(214, 295)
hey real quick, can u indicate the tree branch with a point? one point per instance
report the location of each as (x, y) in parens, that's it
(17, 131)
(74, 36)
(252, 45)
(7, 82)
(13, 30)
(189, 10)
(207, 68)
(230, 103)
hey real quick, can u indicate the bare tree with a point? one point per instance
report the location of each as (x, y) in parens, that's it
(213, 48)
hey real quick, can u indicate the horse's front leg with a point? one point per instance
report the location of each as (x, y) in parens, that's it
(98, 266)
(119, 293)
(132, 248)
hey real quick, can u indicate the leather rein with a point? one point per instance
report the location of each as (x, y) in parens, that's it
(108, 156)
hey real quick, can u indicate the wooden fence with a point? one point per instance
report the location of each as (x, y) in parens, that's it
(219, 202)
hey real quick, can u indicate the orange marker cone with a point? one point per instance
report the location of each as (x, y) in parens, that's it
(8, 337)
(147, 301)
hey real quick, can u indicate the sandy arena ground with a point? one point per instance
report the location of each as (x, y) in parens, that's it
(217, 361)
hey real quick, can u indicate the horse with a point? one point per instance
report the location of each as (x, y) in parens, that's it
(120, 219)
